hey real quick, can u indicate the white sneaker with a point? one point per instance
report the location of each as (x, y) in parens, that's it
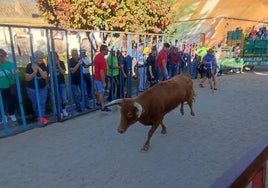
(65, 113)
(13, 118)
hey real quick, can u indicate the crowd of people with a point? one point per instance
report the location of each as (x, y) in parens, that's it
(114, 71)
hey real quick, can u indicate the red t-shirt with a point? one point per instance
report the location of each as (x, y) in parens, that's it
(99, 64)
(162, 55)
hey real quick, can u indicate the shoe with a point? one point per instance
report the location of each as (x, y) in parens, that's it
(98, 104)
(87, 107)
(64, 113)
(201, 85)
(106, 109)
(42, 121)
(13, 118)
(79, 110)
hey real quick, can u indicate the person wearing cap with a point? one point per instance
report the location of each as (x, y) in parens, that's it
(86, 74)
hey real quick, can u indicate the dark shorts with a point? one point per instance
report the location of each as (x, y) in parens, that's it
(208, 73)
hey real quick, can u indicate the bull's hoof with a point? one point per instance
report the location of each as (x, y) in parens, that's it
(145, 148)
(192, 113)
(182, 112)
(163, 131)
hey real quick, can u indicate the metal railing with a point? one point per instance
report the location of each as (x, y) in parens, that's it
(250, 170)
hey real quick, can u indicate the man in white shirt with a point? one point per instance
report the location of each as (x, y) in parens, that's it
(86, 74)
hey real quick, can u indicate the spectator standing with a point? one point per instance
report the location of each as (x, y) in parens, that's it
(86, 74)
(60, 72)
(173, 62)
(113, 75)
(208, 61)
(139, 60)
(8, 86)
(37, 70)
(151, 66)
(126, 67)
(100, 70)
(75, 68)
(162, 71)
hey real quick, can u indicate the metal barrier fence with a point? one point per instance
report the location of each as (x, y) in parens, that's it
(21, 43)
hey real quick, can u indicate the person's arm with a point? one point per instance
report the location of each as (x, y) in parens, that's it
(103, 75)
(76, 67)
(29, 76)
(61, 69)
(43, 73)
(151, 71)
(123, 70)
(164, 63)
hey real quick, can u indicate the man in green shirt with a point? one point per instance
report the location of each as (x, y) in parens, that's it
(113, 75)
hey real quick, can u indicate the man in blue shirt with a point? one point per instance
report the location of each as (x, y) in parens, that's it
(208, 61)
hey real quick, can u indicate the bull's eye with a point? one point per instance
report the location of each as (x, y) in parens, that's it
(129, 115)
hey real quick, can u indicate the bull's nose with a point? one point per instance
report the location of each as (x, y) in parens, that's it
(121, 131)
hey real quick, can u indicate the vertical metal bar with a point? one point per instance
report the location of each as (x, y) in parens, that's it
(69, 75)
(4, 119)
(40, 115)
(92, 49)
(50, 66)
(81, 74)
(24, 125)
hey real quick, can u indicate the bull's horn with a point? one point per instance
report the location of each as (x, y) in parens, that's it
(139, 107)
(114, 102)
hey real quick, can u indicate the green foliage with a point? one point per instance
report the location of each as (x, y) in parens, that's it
(118, 15)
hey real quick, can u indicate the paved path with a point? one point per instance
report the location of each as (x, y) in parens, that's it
(87, 151)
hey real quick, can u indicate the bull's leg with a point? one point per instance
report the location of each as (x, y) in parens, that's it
(164, 129)
(190, 103)
(182, 109)
(146, 145)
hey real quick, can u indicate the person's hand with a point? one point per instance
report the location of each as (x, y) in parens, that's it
(104, 84)
(35, 67)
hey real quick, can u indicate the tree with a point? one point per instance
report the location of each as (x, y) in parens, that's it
(118, 15)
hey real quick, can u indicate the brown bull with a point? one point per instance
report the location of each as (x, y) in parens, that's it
(153, 104)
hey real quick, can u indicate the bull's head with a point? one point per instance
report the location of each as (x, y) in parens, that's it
(130, 112)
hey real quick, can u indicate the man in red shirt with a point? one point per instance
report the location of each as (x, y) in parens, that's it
(162, 63)
(100, 70)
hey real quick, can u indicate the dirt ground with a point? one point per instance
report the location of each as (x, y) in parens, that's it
(87, 151)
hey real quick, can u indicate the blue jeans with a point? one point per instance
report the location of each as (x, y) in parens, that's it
(172, 70)
(42, 100)
(63, 94)
(142, 78)
(75, 91)
(161, 74)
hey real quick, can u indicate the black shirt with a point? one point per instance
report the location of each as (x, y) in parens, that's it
(75, 77)
(41, 81)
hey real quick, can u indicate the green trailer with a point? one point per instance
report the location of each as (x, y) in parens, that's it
(253, 52)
